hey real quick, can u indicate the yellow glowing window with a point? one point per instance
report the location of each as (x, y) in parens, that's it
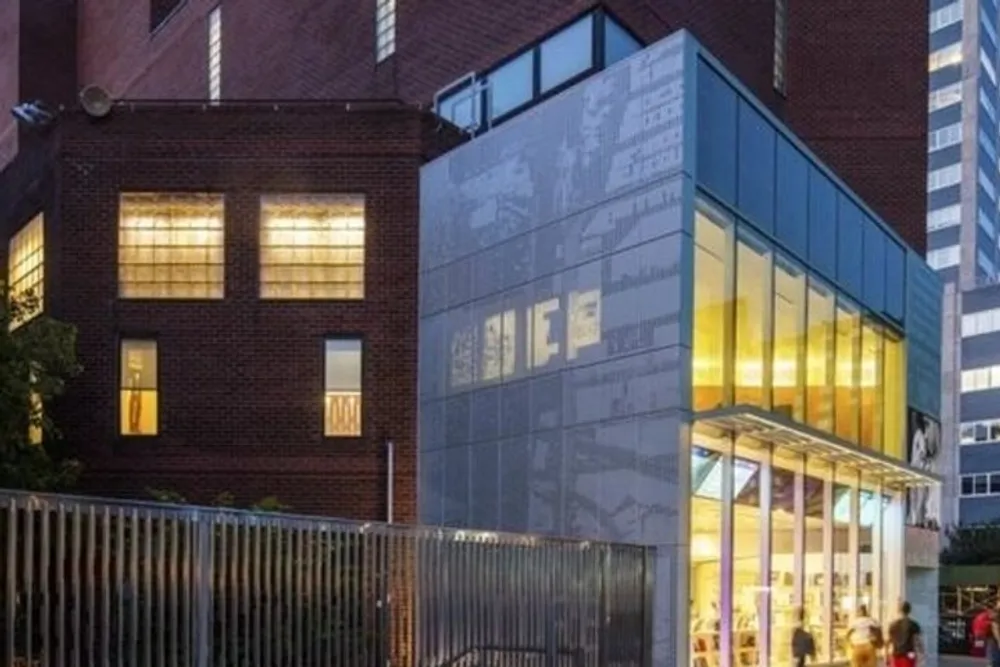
(35, 417)
(170, 246)
(139, 396)
(312, 247)
(342, 404)
(26, 266)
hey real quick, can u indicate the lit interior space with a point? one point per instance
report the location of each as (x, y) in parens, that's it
(171, 246)
(768, 334)
(26, 267)
(312, 247)
(768, 528)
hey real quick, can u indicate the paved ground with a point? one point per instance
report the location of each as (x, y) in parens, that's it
(960, 661)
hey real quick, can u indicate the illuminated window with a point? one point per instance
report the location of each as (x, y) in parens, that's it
(848, 373)
(170, 246)
(26, 266)
(35, 415)
(385, 29)
(819, 360)
(712, 320)
(753, 305)
(215, 54)
(871, 386)
(894, 398)
(312, 247)
(949, 55)
(789, 339)
(138, 390)
(342, 410)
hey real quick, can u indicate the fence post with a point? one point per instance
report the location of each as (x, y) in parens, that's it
(203, 591)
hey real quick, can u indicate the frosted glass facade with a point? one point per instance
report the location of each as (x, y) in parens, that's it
(581, 318)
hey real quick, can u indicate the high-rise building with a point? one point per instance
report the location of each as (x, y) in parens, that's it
(962, 227)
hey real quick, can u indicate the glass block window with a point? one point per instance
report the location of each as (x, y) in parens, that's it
(312, 247)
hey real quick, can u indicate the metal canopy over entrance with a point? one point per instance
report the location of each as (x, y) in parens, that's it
(774, 428)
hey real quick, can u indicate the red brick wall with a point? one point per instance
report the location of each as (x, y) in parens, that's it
(241, 380)
(9, 20)
(857, 94)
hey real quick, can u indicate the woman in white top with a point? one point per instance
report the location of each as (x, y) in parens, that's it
(862, 634)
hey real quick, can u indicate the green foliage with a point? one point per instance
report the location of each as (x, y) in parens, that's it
(224, 499)
(36, 359)
(972, 545)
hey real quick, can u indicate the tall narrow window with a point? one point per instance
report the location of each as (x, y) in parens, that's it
(312, 247)
(713, 265)
(788, 354)
(342, 409)
(215, 54)
(848, 375)
(35, 414)
(170, 246)
(385, 29)
(26, 267)
(139, 393)
(872, 387)
(780, 43)
(753, 321)
(819, 360)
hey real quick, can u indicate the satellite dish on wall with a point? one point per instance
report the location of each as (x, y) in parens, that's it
(95, 101)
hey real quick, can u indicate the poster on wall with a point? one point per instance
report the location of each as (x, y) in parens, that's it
(923, 435)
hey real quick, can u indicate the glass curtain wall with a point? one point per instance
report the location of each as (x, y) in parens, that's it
(797, 533)
(766, 334)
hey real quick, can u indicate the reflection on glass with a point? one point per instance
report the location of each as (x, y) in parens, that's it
(753, 306)
(713, 239)
(510, 85)
(814, 600)
(138, 390)
(783, 568)
(706, 551)
(871, 386)
(819, 359)
(618, 42)
(894, 398)
(789, 339)
(848, 372)
(747, 584)
(844, 562)
(567, 53)
(869, 550)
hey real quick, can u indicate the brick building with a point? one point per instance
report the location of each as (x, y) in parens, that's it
(848, 77)
(240, 374)
(228, 268)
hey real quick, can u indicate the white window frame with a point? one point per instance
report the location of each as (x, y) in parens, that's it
(943, 137)
(385, 29)
(988, 477)
(980, 379)
(945, 177)
(944, 97)
(215, 54)
(982, 322)
(942, 218)
(943, 258)
(945, 16)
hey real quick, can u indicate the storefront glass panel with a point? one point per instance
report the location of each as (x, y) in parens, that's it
(894, 398)
(786, 554)
(789, 339)
(817, 565)
(712, 298)
(749, 532)
(848, 374)
(753, 320)
(820, 357)
(845, 558)
(707, 473)
(871, 385)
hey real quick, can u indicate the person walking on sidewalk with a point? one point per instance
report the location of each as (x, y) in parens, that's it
(865, 636)
(905, 640)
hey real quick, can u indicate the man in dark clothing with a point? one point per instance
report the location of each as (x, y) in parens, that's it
(905, 641)
(803, 644)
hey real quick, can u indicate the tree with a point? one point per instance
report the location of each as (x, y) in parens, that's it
(972, 545)
(36, 359)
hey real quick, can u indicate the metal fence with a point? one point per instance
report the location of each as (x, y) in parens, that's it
(98, 582)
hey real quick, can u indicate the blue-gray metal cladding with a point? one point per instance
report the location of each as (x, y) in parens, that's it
(100, 582)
